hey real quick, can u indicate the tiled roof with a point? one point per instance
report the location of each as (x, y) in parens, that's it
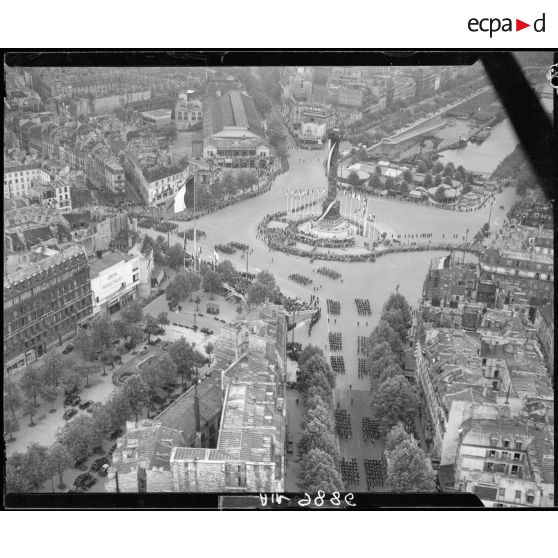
(150, 444)
(541, 454)
(180, 415)
(187, 454)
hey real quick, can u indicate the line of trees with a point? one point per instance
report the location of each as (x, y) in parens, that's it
(264, 289)
(28, 471)
(394, 399)
(318, 449)
(407, 467)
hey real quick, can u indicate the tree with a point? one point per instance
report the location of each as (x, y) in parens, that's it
(439, 195)
(229, 182)
(163, 318)
(15, 480)
(192, 282)
(384, 332)
(83, 342)
(86, 369)
(427, 180)
(11, 425)
(395, 319)
(31, 382)
(397, 301)
(407, 470)
(120, 328)
(389, 184)
(71, 379)
(466, 189)
(449, 170)
(80, 436)
(209, 348)
(185, 357)
(175, 291)
(422, 168)
(151, 326)
(258, 294)
(447, 181)
(113, 413)
(315, 365)
(52, 368)
(33, 466)
(212, 283)
(437, 179)
(58, 460)
(227, 270)
(378, 170)
(266, 278)
(175, 255)
(12, 395)
(394, 401)
(380, 356)
(49, 394)
(408, 176)
(375, 182)
(160, 372)
(353, 178)
(133, 313)
(308, 352)
(137, 393)
(318, 472)
(102, 331)
(396, 436)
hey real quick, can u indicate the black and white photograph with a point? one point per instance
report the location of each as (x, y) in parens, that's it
(307, 284)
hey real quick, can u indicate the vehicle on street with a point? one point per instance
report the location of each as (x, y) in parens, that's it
(69, 414)
(111, 450)
(98, 463)
(85, 481)
(103, 471)
(72, 400)
(67, 350)
(86, 404)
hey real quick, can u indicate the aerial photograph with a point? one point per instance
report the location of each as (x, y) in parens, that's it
(323, 280)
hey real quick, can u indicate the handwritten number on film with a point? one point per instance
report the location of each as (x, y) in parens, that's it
(318, 501)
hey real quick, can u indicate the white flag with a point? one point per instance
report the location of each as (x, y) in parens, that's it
(216, 256)
(179, 204)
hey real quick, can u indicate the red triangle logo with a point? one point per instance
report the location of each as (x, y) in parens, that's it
(519, 25)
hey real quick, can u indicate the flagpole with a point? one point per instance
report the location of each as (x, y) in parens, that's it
(195, 235)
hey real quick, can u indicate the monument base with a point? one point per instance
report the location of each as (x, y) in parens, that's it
(337, 229)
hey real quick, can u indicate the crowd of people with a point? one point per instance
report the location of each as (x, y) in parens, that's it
(363, 307)
(189, 234)
(362, 368)
(362, 345)
(293, 350)
(314, 320)
(337, 364)
(240, 284)
(349, 472)
(225, 248)
(239, 245)
(370, 429)
(333, 307)
(328, 272)
(343, 423)
(300, 279)
(298, 305)
(157, 224)
(375, 472)
(335, 341)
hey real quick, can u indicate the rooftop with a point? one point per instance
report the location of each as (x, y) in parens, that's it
(108, 259)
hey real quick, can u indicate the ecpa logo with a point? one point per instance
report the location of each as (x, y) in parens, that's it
(494, 24)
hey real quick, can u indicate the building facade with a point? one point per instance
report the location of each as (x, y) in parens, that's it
(114, 281)
(19, 178)
(44, 303)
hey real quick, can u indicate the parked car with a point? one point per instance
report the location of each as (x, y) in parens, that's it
(86, 404)
(85, 481)
(103, 471)
(111, 450)
(98, 463)
(69, 414)
(115, 434)
(72, 400)
(67, 350)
